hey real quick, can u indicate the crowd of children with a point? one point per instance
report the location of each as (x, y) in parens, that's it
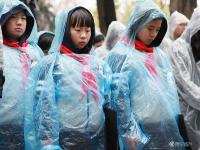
(58, 91)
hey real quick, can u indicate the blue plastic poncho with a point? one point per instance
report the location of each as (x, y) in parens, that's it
(15, 72)
(186, 63)
(64, 110)
(143, 87)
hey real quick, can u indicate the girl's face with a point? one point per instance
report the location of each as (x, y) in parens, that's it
(80, 36)
(179, 30)
(149, 32)
(16, 26)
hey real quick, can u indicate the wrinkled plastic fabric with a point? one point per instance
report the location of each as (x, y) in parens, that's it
(187, 75)
(115, 30)
(59, 113)
(11, 103)
(167, 45)
(114, 33)
(146, 101)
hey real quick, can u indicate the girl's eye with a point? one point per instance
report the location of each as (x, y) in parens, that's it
(150, 29)
(24, 18)
(77, 30)
(88, 29)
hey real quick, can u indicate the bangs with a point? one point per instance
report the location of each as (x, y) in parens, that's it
(81, 18)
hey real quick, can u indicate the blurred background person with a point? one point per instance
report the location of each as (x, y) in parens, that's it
(176, 26)
(98, 40)
(186, 63)
(115, 30)
(45, 39)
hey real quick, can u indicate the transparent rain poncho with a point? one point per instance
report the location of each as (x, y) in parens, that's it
(65, 97)
(143, 87)
(186, 63)
(15, 75)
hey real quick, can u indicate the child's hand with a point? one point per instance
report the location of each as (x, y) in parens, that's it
(131, 143)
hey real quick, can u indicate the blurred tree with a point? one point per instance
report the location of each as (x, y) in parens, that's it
(123, 11)
(163, 6)
(45, 16)
(96, 18)
(185, 7)
(42, 12)
(106, 11)
(31, 4)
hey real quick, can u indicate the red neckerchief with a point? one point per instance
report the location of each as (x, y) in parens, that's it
(14, 44)
(149, 60)
(143, 48)
(24, 57)
(88, 78)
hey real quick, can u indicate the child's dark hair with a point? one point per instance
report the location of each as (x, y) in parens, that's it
(79, 17)
(99, 38)
(45, 40)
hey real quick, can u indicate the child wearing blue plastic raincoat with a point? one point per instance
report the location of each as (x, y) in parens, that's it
(19, 53)
(143, 85)
(68, 89)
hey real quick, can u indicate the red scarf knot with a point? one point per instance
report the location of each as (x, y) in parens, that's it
(15, 44)
(88, 79)
(24, 57)
(149, 60)
(143, 48)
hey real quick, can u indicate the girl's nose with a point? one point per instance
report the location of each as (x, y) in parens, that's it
(83, 34)
(19, 21)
